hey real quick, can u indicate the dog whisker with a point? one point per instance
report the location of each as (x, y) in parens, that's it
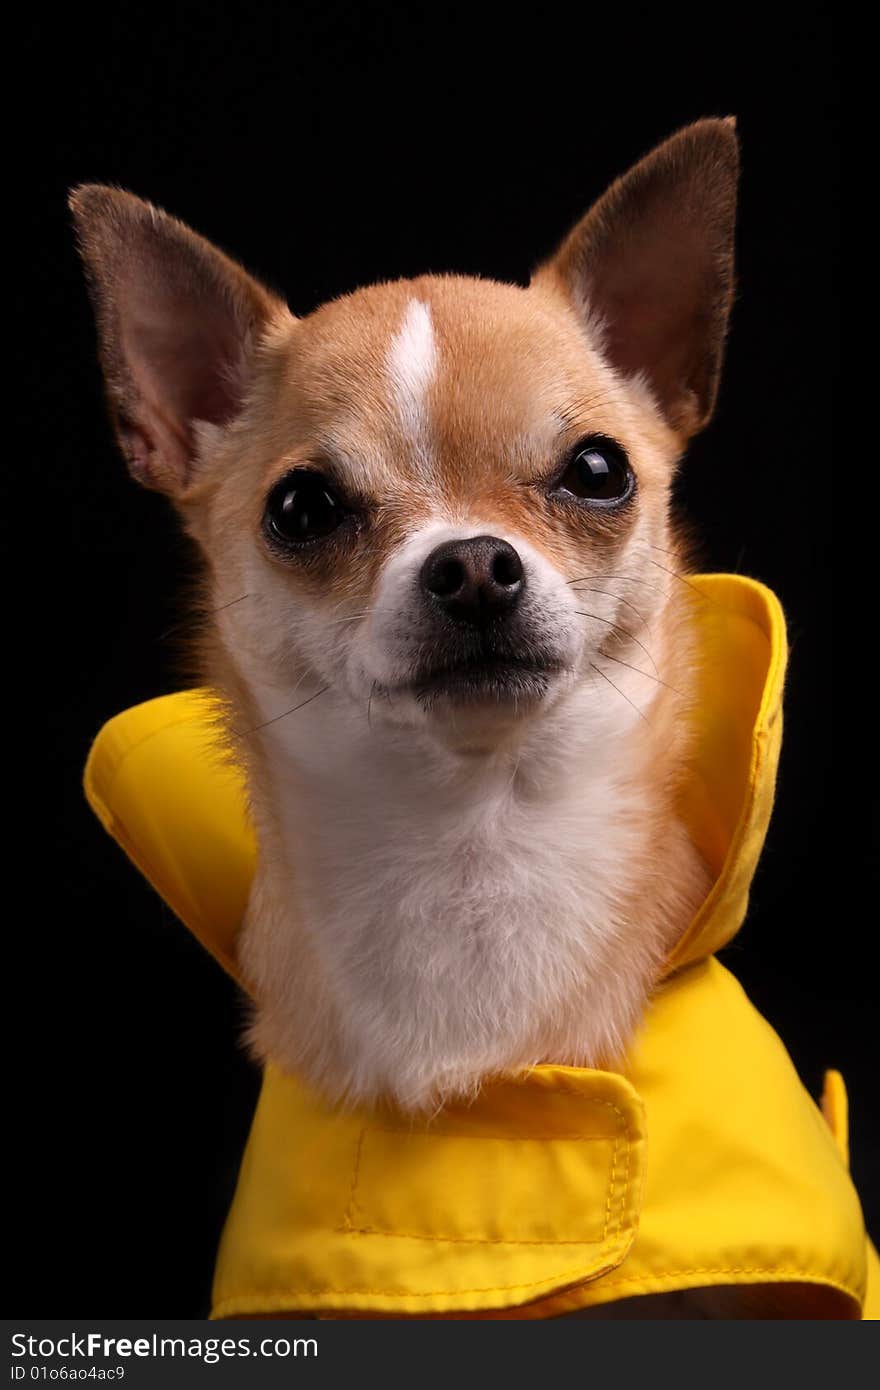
(682, 579)
(603, 575)
(352, 617)
(232, 602)
(623, 578)
(302, 704)
(607, 678)
(194, 617)
(675, 574)
(606, 656)
(580, 406)
(617, 627)
(619, 598)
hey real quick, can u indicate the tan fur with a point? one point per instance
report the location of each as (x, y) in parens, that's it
(621, 335)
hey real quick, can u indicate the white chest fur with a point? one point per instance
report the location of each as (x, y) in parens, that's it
(422, 918)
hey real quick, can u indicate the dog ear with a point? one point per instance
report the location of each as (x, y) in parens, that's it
(650, 266)
(178, 322)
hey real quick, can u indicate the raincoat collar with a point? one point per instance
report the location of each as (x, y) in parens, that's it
(564, 1187)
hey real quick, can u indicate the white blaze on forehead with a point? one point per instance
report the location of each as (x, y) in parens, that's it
(411, 363)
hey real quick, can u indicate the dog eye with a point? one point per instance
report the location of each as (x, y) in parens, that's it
(597, 472)
(302, 507)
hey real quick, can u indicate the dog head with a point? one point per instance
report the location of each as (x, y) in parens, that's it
(440, 497)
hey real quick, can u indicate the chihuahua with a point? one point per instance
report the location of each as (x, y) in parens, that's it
(441, 612)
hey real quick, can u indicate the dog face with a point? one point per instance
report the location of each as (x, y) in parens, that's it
(409, 536)
(444, 498)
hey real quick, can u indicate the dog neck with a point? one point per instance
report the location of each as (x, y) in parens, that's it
(426, 913)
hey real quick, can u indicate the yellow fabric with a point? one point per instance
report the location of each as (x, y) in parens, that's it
(534, 1187)
(871, 1305)
(739, 730)
(703, 1162)
(546, 1196)
(158, 781)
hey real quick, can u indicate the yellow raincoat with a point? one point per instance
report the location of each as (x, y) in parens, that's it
(702, 1162)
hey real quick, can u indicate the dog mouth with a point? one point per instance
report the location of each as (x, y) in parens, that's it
(490, 678)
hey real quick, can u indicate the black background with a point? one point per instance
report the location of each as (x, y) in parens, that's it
(327, 147)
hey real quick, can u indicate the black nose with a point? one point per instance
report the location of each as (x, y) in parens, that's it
(474, 581)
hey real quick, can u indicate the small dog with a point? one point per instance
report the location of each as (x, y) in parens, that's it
(435, 521)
